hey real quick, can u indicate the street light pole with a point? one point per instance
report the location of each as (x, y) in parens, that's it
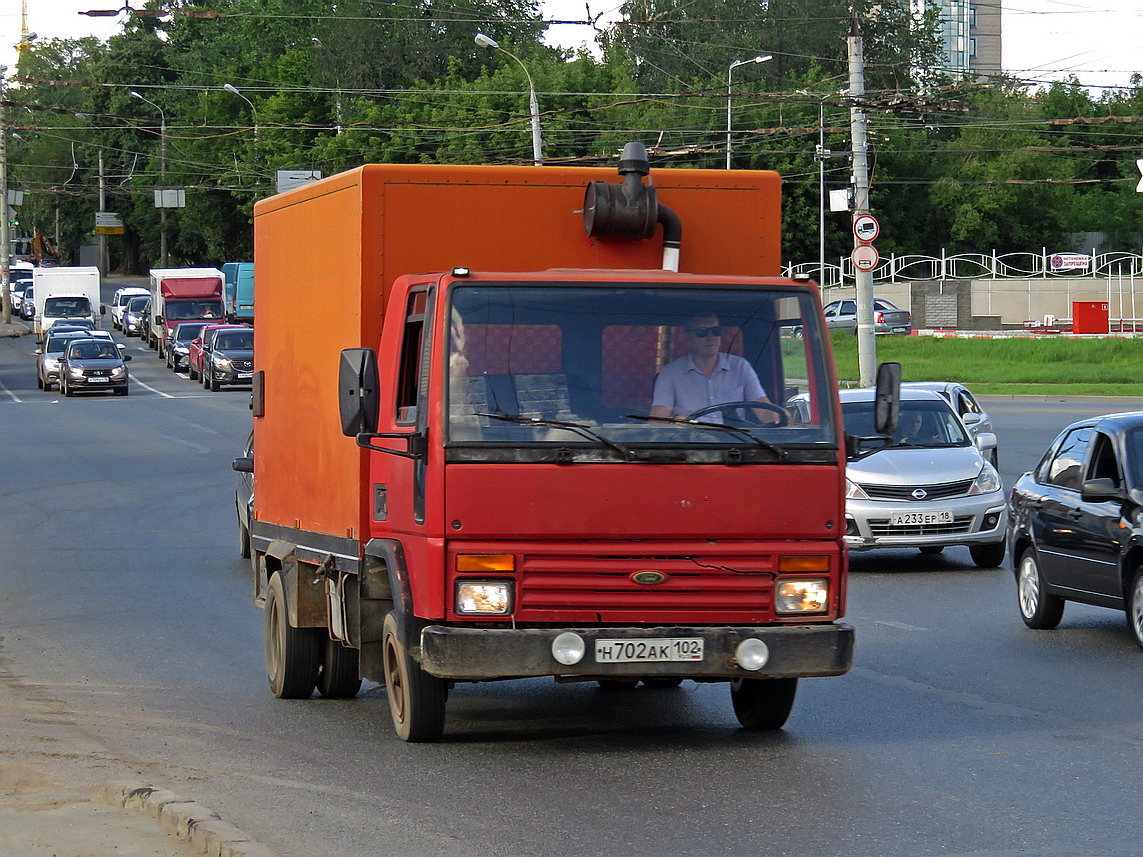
(533, 105)
(732, 67)
(5, 240)
(162, 173)
(234, 90)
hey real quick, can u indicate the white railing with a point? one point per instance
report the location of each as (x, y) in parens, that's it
(970, 266)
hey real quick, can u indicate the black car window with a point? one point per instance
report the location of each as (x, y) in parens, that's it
(1064, 469)
(1104, 462)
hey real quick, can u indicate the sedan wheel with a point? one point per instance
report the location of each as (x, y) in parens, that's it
(988, 556)
(1135, 608)
(1039, 609)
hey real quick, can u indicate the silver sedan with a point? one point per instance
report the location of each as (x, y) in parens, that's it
(927, 486)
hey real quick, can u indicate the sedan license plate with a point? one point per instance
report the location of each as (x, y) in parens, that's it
(648, 651)
(98, 380)
(908, 518)
(245, 376)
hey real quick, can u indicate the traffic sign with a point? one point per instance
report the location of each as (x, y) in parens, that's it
(865, 257)
(866, 228)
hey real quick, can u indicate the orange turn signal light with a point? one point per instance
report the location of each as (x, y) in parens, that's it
(481, 562)
(802, 564)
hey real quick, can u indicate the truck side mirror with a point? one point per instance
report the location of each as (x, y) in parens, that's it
(358, 394)
(887, 401)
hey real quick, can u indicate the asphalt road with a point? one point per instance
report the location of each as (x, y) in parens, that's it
(959, 731)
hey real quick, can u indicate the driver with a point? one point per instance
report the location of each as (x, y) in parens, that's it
(706, 376)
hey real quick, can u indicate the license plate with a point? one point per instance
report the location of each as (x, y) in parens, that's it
(900, 330)
(645, 651)
(98, 380)
(907, 518)
(245, 376)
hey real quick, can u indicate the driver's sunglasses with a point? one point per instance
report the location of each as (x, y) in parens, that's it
(703, 332)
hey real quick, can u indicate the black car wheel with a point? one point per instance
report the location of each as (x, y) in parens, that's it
(1135, 607)
(1039, 609)
(988, 556)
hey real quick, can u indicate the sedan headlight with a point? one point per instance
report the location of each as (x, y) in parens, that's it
(810, 595)
(72, 372)
(853, 491)
(118, 371)
(181, 349)
(987, 482)
(484, 597)
(52, 364)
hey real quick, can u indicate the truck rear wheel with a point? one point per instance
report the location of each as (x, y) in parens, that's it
(338, 678)
(416, 699)
(763, 703)
(293, 655)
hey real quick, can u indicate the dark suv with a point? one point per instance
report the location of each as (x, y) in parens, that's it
(1077, 523)
(227, 356)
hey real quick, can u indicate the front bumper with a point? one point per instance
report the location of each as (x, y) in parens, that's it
(89, 385)
(231, 376)
(477, 653)
(977, 520)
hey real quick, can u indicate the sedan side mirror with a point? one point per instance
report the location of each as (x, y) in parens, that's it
(1100, 491)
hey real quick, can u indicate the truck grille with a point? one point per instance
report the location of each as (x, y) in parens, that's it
(881, 527)
(905, 492)
(738, 588)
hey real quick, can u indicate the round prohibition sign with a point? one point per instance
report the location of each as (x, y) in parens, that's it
(866, 228)
(865, 257)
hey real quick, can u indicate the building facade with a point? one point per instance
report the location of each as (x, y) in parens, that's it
(971, 35)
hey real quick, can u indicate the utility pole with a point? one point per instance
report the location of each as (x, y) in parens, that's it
(102, 207)
(5, 240)
(858, 125)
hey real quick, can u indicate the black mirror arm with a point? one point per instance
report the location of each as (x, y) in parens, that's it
(417, 444)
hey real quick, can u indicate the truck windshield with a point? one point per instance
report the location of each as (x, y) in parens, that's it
(615, 372)
(67, 307)
(177, 310)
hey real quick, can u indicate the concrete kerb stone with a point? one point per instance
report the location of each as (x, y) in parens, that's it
(203, 828)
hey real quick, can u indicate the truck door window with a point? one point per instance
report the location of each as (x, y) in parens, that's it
(411, 369)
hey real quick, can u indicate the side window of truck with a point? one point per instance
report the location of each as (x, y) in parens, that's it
(412, 369)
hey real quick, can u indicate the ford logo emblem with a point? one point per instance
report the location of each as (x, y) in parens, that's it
(648, 577)
(920, 494)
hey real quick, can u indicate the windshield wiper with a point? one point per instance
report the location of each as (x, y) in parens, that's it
(582, 430)
(741, 432)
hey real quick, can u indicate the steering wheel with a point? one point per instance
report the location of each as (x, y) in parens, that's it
(726, 409)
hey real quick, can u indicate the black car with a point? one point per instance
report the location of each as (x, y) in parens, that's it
(179, 341)
(93, 366)
(227, 357)
(1076, 523)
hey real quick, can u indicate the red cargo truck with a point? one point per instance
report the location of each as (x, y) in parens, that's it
(181, 294)
(457, 473)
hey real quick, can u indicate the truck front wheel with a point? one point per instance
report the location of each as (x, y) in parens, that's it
(416, 699)
(763, 703)
(293, 655)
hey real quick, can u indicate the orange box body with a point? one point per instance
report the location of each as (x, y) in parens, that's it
(327, 255)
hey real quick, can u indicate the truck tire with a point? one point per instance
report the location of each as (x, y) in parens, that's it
(416, 699)
(293, 655)
(763, 703)
(338, 678)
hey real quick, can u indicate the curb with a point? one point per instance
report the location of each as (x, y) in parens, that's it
(185, 819)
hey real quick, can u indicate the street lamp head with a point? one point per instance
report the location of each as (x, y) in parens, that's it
(486, 41)
(29, 37)
(230, 87)
(762, 58)
(134, 94)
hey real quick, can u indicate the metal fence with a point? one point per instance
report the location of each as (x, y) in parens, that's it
(973, 266)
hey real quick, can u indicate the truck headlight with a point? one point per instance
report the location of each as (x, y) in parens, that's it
(484, 597)
(801, 596)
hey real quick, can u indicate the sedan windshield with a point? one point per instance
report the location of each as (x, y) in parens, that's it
(922, 423)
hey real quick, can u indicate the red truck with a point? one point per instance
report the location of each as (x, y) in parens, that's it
(181, 294)
(457, 475)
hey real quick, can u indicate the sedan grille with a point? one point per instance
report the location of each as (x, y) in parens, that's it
(881, 527)
(97, 373)
(243, 365)
(910, 492)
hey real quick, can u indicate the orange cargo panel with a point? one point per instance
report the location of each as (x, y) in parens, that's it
(327, 253)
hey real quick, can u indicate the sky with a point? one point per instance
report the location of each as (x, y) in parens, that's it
(1099, 41)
